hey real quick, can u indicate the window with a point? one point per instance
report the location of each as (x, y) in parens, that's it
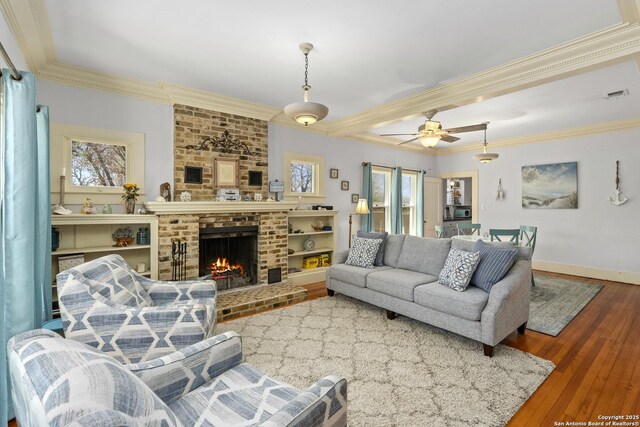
(303, 175)
(95, 162)
(409, 196)
(381, 195)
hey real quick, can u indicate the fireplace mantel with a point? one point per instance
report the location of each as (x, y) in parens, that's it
(173, 208)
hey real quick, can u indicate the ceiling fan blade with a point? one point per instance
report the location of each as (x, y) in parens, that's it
(471, 128)
(449, 138)
(399, 134)
(411, 140)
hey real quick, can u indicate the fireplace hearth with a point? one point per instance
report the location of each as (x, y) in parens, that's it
(229, 255)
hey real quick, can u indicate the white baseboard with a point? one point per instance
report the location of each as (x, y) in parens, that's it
(595, 273)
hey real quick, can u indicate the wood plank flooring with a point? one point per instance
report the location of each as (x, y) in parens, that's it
(596, 356)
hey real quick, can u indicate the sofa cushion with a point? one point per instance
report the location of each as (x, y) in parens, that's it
(424, 254)
(363, 252)
(241, 395)
(397, 282)
(379, 261)
(353, 275)
(494, 264)
(392, 248)
(467, 305)
(524, 252)
(458, 269)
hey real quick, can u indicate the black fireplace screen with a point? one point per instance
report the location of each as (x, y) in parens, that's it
(229, 255)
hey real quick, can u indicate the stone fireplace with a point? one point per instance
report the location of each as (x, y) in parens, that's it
(230, 255)
(189, 221)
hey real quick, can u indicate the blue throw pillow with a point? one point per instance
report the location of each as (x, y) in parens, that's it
(379, 261)
(494, 264)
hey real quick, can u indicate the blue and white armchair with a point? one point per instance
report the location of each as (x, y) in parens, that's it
(60, 382)
(104, 303)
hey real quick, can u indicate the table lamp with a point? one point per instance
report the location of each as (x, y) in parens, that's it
(362, 208)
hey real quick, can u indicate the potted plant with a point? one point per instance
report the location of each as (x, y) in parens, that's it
(131, 193)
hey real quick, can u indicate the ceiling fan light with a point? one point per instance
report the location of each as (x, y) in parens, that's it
(306, 113)
(429, 141)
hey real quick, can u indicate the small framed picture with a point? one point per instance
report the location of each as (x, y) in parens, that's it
(225, 173)
(333, 173)
(344, 185)
(354, 198)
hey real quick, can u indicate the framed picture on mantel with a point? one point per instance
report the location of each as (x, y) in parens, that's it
(226, 173)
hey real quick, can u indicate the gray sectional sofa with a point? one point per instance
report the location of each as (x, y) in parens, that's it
(407, 284)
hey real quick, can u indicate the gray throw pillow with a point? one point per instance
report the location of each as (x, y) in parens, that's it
(458, 269)
(379, 261)
(494, 264)
(363, 252)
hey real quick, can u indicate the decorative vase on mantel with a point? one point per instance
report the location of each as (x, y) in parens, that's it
(130, 206)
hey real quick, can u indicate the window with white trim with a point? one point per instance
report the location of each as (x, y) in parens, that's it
(303, 175)
(381, 199)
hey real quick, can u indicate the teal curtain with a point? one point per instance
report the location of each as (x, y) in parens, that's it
(25, 221)
(366, 221)
(420, 205)
(396, 201)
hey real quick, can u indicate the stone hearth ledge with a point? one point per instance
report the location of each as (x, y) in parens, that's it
(173, 208)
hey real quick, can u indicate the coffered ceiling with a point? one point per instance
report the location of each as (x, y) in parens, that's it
(527, 67)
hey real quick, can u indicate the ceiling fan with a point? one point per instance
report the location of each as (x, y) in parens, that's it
(431, 132)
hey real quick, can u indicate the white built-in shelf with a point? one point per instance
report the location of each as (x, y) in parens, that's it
(99, 249)
(315, 251)
(309, 271)
(309, 233)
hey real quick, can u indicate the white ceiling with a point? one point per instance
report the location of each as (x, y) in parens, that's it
(367, 53)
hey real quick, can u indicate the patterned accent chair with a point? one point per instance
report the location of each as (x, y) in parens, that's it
(58, 382)
(106, 304)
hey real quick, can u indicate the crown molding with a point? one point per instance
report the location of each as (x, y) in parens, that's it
(612, 44)
(618, 125)
(29, 23)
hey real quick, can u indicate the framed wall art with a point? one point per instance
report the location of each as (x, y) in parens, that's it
(333, 173)
(344, 185)
(354, 198)
(226, 173)
(550, 186)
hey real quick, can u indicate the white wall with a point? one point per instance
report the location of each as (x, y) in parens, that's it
(597, 235)
(85, 107)
(345, 155)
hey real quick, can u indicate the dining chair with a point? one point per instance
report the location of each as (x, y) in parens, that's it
(528, 236)
(498, 234)
(467, 229)
(439, 231)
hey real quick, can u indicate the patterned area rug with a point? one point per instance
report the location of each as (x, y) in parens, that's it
(555, 302)
(399, 372)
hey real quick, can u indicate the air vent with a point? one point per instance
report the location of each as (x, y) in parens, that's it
(616, 94)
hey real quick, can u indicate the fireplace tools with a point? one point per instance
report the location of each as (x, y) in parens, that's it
(179, 260)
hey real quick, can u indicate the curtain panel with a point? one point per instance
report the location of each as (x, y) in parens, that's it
(396, 201)
(420, 205)
(366, 221)
(25, 219)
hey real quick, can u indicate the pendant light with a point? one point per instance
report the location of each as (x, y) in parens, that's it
(306, 113)
(485, 157)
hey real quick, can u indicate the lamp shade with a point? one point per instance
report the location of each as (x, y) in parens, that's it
(485, 157)
(362, 208)
(306, 113)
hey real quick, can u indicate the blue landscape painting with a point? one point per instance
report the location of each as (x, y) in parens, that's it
(553, 186)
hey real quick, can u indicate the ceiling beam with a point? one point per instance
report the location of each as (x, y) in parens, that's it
(614, 44)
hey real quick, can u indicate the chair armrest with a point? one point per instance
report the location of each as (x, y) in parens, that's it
(175, 375)
(162, 292)
(135, 334)
(322, 404)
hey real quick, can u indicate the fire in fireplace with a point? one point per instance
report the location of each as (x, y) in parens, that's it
(229, 255)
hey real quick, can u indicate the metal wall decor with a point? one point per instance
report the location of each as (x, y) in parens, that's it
(616, 200)
(224, 144)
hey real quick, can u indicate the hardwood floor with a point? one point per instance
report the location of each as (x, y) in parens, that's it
(596, 356)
